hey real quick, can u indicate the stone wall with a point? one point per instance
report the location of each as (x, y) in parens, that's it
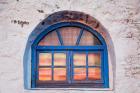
(121, 18)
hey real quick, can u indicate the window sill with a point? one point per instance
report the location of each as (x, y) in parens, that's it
(76, 89)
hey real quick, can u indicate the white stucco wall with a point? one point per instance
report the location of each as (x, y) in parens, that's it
(120, 17)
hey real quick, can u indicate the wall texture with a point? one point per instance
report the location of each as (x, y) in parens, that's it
(121, 18)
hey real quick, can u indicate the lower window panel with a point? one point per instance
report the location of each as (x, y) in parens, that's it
(66, 85)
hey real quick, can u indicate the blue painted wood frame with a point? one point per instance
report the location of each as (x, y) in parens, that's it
(87, 52)
(102, 48)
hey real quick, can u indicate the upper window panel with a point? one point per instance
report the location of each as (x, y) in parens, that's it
(88, 39)
(69, 36)
(51, 39)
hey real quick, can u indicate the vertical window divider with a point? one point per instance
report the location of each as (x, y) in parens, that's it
(72, 65)
(59, 36)
(86, 65)
(79, 37)
(69, 67)
(52, 65)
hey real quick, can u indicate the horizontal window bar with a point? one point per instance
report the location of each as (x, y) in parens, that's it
(85, 66)
(52, 66)
(98, 47)
(92, 85)
(66, 66)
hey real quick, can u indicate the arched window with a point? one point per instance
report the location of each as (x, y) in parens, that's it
(71, 55)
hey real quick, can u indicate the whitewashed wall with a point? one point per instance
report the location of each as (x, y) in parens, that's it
(121, 18)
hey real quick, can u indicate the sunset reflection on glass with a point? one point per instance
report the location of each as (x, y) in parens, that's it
(51, 39)
(59, 59)
(94, 73)
(59, 74)
(45, 74)
(69, 35)
(45, 59)
(79, 59)
(79, 73)
(94, 59)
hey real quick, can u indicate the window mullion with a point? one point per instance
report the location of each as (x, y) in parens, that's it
(68, 67)
(79, 37)
(86, 65)
(71, 66)
(59, 36)
(52, 65)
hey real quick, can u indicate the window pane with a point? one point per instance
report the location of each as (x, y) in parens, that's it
(51, 39)
(94, 73)
(88, 39)
(79, 59)
(45, 74)
(94, 59)
(45, 59)
(79, 73)
(70, 35)
(59, 74)
(59, 59)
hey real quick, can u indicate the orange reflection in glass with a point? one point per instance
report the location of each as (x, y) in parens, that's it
(45, 74)
(79, 73)
(69, 35)
(94, 73)
(50, 39)
(45, 59)
(59, 74)
(59, 59)
(94, 59)
(79, 59)
(89, 39)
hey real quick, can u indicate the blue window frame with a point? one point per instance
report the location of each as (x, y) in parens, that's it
(85, 52)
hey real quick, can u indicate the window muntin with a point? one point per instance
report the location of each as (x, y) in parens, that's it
(93, 76)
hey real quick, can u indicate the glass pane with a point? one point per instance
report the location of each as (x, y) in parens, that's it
(51, 39)
(94, 73)
(94, 59)
(45, 74)
(59, 74)
(45, 59)
(79, 73)
(70, 35)
(79, 59)
(59, 59)
(88, 39)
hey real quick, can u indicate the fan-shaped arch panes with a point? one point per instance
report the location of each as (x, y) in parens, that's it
(51, 39)
(89, 39)
(69, 36)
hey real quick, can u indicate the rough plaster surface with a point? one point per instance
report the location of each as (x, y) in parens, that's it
(121, 18)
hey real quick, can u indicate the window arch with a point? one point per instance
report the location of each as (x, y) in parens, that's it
(53, 29)
(69, 54)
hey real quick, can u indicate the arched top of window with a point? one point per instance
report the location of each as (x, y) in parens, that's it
(72, 43)
(69, 36)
